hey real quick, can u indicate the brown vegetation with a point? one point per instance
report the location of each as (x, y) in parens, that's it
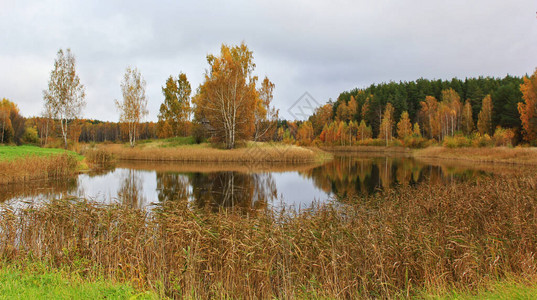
(253, 153)
(524, 156)
(367, 149)
(99, 158)
(396, 243)
(37, 167)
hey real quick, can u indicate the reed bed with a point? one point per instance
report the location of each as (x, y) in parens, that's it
(100, 158)
(29, 168)
(503, 155)
(197, 153)
(394, 244)
(375, 150)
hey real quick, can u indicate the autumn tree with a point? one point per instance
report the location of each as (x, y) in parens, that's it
(321, 117)
(227, 98)
(364, 131)
(404, 126)
(265, 115)
(175, 110)
(428, 112)
(416, 131)
(134, 106)
(386, 124)
(65, 95)
(452, 113)
(305, 133)
(528, 108)
(6, 128)
(484, 119)
(467, 119)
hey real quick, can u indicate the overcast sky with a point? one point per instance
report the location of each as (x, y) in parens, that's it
(322, 47)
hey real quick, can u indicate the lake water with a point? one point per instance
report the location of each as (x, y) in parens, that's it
(249, 186)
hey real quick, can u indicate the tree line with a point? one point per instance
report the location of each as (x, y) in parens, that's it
(232, 105)
(431, 109)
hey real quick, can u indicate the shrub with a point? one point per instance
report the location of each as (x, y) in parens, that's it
(30, 136)
(482, 141)
(503, 137)
(416, 142)
(456, 142)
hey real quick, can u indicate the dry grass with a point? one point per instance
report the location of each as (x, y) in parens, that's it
(99, 158)
(376, 150)
(258, 152)
(527, 156)
(396, 243)
(37, 167)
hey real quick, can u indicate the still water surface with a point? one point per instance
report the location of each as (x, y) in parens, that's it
(216, 186)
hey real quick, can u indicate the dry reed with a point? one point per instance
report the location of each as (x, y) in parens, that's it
(261, 153)
(391, 244)
(505, 155)
(99, 158)
(37, 167)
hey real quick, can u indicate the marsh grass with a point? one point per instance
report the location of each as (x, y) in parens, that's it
(100, 158)
(505, 155)
(396, 243)
(27, 168)
(258, 152)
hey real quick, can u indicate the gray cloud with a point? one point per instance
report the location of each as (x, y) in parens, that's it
(323, 47)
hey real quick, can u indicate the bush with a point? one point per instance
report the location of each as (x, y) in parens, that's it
(372, 142)
(503, 137)
(457, 141)
(482, 141)
(30, 136)
(416, 142)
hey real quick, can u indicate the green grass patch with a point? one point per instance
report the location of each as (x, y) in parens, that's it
(506, 289)
(178, 141)
(9, 153)
(37, 281)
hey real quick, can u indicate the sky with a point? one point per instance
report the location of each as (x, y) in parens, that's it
(313, 46)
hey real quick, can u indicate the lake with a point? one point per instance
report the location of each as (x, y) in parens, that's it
(141, 184)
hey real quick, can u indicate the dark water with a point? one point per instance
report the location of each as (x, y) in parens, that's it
(216, 186)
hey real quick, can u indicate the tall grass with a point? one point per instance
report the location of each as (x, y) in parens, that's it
(197, 153)
(395, 243)
(37, 167)
(527, 156)
(99, 158)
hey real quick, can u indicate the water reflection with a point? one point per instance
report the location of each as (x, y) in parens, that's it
(348, 176)
(131, 189)
(224, 186)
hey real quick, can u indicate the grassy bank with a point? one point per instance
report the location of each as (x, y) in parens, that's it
(35, 280)
(25, 163)
(252, 152)
(502, 155)
(396, 243)
(10, 153)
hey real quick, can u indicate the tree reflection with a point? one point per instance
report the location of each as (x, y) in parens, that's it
(39, 188)
(349, 176)
(228, 189)
(130, 191)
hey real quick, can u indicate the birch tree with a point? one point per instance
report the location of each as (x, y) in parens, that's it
(65, 95)
(265, 115)
(133, 109)
(228, 97)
